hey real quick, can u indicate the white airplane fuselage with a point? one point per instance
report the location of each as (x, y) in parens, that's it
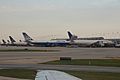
(91, 42)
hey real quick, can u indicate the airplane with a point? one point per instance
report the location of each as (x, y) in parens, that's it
(89, 38)
(54, 75)
(77, 38)
(92, 43)
(89, 42)
(14, 43)
(51, 43)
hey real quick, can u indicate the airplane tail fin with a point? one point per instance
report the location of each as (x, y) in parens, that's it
(4, 42)
(26, 37)
(71, 36)
(11, 39)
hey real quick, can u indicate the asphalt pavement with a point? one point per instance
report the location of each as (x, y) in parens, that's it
(61, 67)
(30, 60)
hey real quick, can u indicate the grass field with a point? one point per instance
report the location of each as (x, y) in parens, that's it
(95, 75)
(30, 74)
(90, 62)
(18, 73)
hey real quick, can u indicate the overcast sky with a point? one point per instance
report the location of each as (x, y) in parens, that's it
(46, 18)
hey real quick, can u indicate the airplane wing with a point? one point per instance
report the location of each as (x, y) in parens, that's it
(54, 75)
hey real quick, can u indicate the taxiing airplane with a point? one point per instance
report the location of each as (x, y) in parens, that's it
(54, 75)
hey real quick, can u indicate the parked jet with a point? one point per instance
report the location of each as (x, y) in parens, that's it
(89, 38)
(77, 38)
(54, 75)
(51, 43)
(87, 42)
(90, 43)
(14, 43)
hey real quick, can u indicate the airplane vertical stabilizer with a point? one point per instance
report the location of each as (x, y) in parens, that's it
(4, 42)
(11, 39)
(70, 35)
(26, 37)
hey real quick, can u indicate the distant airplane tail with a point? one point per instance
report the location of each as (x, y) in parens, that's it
(26, 37)
(4, 42)
(71, 36)
(11, 39)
